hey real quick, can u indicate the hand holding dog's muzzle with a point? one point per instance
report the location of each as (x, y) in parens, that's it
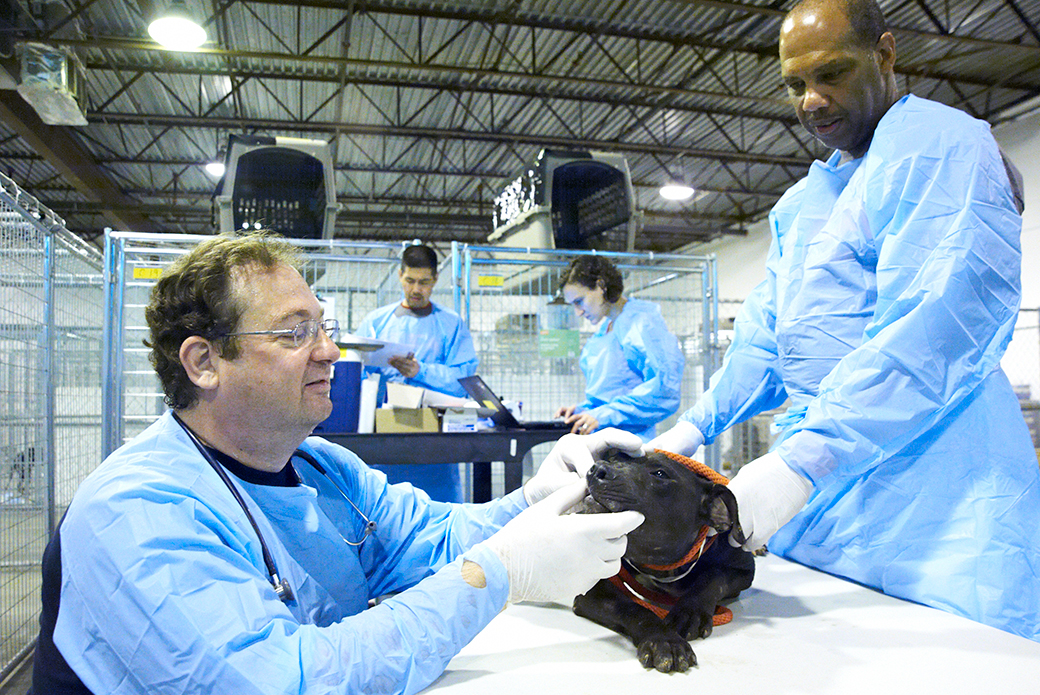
(573, 456)
(553, 556)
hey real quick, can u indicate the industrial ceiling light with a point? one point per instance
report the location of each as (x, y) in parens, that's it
(215, 168)
(176, 30)
(676, 187)
(676, 191)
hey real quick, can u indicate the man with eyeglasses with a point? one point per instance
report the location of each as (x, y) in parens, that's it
(443, 353)
(225, 550)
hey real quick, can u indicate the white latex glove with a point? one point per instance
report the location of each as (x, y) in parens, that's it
(573, 456)
(768, 495)
(552, 556)
(684, 438)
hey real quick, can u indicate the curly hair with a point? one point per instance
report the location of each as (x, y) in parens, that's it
(590, 270)
(196, 296)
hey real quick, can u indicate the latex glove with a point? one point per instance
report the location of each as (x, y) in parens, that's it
(684, 438)
(573, 456)
(552, 556)
(769, 493)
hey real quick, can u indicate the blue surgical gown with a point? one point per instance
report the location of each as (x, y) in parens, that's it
(633, 370)
(444, 350)
(164, 588)
(443, 346)
(892, 288)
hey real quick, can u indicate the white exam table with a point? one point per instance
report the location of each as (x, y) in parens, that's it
(795, 631)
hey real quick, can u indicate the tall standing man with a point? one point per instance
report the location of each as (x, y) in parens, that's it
(892, 289)
(443, 353)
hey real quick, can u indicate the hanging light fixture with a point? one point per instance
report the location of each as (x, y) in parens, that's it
(215, 168)
(175, 29)
(676, 191)
(677, 188)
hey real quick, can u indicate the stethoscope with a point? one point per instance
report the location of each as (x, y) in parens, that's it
(280, 585)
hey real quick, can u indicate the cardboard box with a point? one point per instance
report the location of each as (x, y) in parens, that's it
(404, 396)
(407, 420)
(460, 420)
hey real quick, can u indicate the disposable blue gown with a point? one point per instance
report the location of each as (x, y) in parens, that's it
(633, 372)
(444, 350)
(164, 589)
(443, 346)
(891, 292)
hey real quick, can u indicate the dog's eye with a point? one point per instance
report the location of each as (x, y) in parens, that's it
(660, 473)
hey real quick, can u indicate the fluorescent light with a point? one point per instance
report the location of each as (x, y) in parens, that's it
(215, 169)
(176, 30)
(676, 191)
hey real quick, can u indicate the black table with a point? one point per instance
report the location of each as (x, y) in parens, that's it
(476, 448)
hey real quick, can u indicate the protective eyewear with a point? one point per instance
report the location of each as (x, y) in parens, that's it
(302, 333)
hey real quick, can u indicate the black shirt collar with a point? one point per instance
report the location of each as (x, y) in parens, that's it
(286, 477)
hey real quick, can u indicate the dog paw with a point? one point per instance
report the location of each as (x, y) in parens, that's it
(692, 625)
(667, 654)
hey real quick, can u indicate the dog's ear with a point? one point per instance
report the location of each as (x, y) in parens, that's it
(722, 512)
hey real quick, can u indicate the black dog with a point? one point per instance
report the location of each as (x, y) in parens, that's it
(661, 561)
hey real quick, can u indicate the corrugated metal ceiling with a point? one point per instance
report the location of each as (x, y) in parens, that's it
(434, 106)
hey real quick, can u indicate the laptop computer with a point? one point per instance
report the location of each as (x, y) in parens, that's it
(500, 415)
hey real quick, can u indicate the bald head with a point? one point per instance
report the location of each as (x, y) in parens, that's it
(838, 64)
(865, 20)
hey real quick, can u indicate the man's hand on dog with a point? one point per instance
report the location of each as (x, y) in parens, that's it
(769, 493)
(573, 456)
(552, 556)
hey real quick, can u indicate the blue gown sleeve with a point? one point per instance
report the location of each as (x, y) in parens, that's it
(940, 208)
(459, 360)
(650, 349)
(427, 534)
(164, 592)
(748, 382)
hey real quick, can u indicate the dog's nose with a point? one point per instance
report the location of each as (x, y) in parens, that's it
(600, 471)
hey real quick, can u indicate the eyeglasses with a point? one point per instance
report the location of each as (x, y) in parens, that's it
(302, 333)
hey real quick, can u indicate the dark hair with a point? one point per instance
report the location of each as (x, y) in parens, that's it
(590, 270)
(865, 18)
(419, 256)
(196, 296)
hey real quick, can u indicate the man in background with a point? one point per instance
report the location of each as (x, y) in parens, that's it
(442, 353)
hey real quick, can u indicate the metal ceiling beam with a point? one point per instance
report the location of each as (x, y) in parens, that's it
(542, 84)
(245, 124)
(547, 82)
(63, 151)
(536, 90)
(350, 167)
(188, 205)
(607, 28)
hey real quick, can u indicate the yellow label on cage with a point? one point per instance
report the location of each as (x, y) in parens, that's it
(490, 281)
(147, 273)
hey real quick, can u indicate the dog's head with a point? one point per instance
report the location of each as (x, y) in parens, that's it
(676, 501)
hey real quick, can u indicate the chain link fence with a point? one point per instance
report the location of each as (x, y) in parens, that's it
(51, 320)
(527, 342)
(528, 339)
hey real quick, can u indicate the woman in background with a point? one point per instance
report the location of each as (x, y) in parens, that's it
(632, 363)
